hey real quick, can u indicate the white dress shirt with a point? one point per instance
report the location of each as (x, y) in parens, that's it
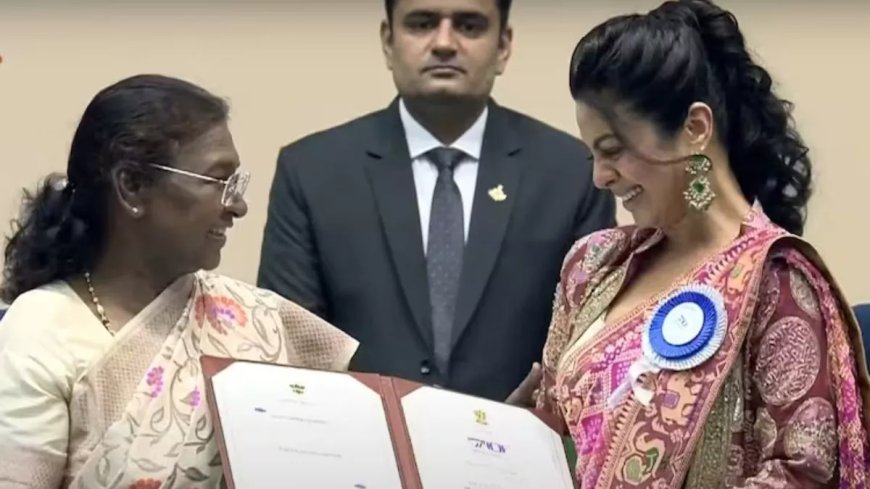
(420, 141)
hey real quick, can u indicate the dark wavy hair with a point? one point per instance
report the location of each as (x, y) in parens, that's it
(688, 51)
(62, 227)
(504, 8)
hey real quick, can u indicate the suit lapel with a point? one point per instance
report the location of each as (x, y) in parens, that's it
(392, 180)
(496, 190)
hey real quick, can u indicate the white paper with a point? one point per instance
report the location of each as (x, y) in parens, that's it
(293, 428)
(463, 442)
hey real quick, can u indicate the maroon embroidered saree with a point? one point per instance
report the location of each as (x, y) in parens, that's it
(782, 403)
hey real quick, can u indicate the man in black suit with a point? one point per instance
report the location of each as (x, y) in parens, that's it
(433, 231)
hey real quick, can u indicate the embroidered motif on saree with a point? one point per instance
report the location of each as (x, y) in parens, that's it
(160, 435)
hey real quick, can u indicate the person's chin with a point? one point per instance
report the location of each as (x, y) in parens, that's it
(211, 251)
(210, 260)
(444, 89)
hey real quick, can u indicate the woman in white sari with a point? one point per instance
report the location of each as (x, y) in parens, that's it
(100, 384)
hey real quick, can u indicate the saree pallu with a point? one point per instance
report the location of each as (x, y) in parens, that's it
(782, 403)
(138, 417)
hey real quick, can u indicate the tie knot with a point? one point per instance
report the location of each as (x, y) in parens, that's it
(446, 158)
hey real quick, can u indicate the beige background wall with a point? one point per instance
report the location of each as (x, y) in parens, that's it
(293, 67)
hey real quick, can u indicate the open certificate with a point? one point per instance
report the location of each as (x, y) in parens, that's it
(282, 427)
(464, 442)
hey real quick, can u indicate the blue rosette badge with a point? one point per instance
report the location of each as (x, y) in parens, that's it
(686, 329)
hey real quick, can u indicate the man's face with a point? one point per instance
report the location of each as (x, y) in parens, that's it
(446, 49)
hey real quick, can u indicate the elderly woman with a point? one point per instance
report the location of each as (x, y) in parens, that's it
(100, 384)
(707, 346)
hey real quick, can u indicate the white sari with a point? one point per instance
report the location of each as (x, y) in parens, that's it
(80, 408)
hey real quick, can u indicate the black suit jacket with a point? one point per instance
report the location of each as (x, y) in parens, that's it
(343, 240)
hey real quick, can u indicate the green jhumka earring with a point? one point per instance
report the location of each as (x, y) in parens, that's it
(699, 195)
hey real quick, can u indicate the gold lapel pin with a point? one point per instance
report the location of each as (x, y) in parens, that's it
(497, 193)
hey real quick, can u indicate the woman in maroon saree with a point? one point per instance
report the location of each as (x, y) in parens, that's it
(707, 346)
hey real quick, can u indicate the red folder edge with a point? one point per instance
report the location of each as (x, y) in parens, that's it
(212, 366)
(397, 389)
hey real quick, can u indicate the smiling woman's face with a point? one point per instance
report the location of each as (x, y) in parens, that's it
(652, 193)
(185, 214)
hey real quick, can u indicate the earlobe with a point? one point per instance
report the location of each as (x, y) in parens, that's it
(128, 190)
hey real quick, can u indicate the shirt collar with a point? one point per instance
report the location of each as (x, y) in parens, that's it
(421, 141)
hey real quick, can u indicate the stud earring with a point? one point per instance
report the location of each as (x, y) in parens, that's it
(699, 195)
(135, 211)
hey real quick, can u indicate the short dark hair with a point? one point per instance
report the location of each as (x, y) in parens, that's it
(63, 225)
(689, 51)
(504, 8)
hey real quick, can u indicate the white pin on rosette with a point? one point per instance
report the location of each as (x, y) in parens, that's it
(686, 329)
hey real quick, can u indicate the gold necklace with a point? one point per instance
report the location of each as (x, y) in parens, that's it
(99, 307)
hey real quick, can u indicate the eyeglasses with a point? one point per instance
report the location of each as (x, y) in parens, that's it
(234, 186)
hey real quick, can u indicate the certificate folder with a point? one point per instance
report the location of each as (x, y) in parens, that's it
(280, 426)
